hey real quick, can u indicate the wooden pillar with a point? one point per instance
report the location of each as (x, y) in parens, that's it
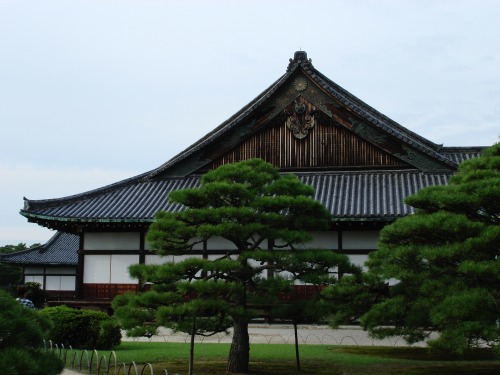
(340, 250)
(142, 248)
(80, 268)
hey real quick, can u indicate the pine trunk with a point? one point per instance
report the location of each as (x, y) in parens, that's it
(239, 354)
(191, 347)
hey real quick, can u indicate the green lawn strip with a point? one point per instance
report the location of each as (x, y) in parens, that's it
(277, 359)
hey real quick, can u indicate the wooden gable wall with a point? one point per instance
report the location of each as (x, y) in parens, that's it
(325, 145)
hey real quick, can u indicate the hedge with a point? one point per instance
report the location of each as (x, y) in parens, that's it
(85, 329)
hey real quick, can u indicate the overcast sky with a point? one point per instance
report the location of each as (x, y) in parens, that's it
(92, 92)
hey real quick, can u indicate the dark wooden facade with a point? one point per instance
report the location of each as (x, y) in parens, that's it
(327, 146)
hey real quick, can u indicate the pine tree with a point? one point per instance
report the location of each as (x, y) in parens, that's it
(443, 262)
(21, 340)
(267, 217)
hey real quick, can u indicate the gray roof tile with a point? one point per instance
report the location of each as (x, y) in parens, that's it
(347, 195)
(461, 154)
(61, 249)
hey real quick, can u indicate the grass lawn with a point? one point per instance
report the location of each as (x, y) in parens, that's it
(277, 359)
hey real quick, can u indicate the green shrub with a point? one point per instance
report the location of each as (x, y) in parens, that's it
(23, 361)
(21, 341)
(82, 328)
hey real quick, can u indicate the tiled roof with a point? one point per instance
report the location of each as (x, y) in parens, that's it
(370, 195)
(61, 249)
(347, 195)
(461, 154)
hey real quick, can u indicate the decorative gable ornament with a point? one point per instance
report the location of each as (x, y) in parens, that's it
(300, 121)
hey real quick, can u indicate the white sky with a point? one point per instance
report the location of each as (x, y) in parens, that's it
(92, 92)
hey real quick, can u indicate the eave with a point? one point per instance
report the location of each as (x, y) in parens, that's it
(77, 225)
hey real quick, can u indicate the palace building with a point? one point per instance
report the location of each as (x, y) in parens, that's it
(361, 164)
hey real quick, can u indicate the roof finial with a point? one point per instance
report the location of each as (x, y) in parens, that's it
(300, 57)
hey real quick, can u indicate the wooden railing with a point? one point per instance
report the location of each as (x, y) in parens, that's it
(107, 291)
(301, 292)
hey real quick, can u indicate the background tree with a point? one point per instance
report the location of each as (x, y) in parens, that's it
(21, 341)
(11, 275)
(444, 265)
(251, 205)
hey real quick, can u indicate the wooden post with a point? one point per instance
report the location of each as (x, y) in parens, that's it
(191, 347)
(297, 357)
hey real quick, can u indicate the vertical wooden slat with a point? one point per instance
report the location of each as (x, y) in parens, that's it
(325, 146)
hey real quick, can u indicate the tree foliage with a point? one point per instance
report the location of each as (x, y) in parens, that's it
(10, 274)
(267, 217)
(22, 331)
(32, 291)
(443, 262)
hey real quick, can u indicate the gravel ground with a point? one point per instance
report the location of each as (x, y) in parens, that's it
(284, 334)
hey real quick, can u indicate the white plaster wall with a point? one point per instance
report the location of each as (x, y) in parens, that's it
(219, 243)
(359, 260)
(63, 283)
(53, 283)
(215, 243)
(97, 269)
(111, 241)
(322, 240)
(198, 246)
(360, 240)
(119, 269)
(157, 259)
(105, 269)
